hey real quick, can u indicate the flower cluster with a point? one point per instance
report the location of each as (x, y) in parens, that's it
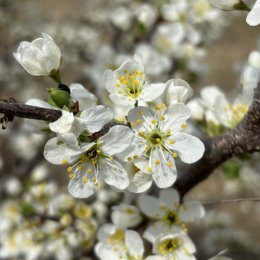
(167, 235)
(216, 110)
(122, 156)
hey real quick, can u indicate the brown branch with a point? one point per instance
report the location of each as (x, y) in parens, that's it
(245, 138)
(11, 109)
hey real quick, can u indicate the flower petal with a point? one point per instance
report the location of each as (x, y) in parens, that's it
(163, 169)
(169, 198)
(94, 118)
(175, 116)
(113, 173)
(141, 118)
(188, 147)
(116, 140)
(190, 210)
(253, 17)
(134, 244)
(78, 189)
(152, 91)
(83, 96)
(60, 153)
(150, 206)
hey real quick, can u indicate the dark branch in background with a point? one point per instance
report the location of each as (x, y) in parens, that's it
(245, 138)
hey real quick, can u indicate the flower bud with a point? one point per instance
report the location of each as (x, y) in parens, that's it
(58, 97)
(41, 57)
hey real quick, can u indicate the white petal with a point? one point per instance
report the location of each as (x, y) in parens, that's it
(140, 118)
(151, 92)
(163, 175)
(113, 173)
(38, 103)
(150, 206)
(83, 96)
(60, 153)
(110, 81)
(63, 124)
(125, 216)
(134, 244)
(190, 210)
(156, 257)
(175, 116)
(169, 198)
(94, 118)
(209, 95)
(188, 147)
(105, 231)
(31, 59)
(51, 53)
(77, 187)
(116, 140)
(122, 100)
(179, 91)
(140, 182)
(155, 230)
(253, 17)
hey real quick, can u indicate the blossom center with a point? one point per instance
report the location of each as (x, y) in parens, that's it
(169, 245)
(236, 112)
(131, 84)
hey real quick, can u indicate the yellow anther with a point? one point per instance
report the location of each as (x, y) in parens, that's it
(183, 125)
(170, 164)
(174, 155)
(149, 169)
(157, 162)
(168, 132)
(172, 141)
(135, 157)
(140, 112)
(139, 121)
(162, 118)
(71, 175)
(64, 161)
(69, 169)
(94, 179)
(154, 121)
(132, 124)
(141, 133)
(158, 140)
(98, 151)
(89, 170)
(85, 179)
(129, 159)
(80, 167)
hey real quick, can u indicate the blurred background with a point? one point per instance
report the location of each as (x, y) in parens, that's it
(97, 35)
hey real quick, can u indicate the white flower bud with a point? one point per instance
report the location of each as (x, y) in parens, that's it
(41, 57)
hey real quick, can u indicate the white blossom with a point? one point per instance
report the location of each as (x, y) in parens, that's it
(173, 246)
(118, 244)
(127, 85)
(92, 162)
(170, 215)
(158, 141)
(41, 57)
